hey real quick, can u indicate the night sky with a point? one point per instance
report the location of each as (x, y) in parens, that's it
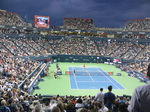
(105, 13)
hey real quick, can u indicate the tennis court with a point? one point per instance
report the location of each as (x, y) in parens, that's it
(91, 78)
(87, 84)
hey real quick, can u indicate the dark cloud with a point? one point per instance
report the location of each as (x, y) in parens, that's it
(105, 13)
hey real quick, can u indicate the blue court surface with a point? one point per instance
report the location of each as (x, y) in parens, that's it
(91, 78)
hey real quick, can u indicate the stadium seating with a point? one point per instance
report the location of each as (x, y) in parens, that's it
(138, 25)
(38, 46)
(78, 23)
(12, 19)
(16, 68)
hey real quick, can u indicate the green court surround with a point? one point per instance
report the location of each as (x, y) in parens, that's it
(61, 85)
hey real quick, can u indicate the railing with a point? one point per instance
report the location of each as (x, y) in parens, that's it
(31, 74)
(36, 79)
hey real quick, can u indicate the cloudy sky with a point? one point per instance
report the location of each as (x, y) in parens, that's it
(105, 13)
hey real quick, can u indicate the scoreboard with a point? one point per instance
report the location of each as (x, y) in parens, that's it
(41, 21)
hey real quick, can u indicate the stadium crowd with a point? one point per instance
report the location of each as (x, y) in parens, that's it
(78, 23)
(13, 70)
(136, 70)
(23, 47)
(138, 25)
(12, 19)
(12, 77)
(13, 100)
(72, 46)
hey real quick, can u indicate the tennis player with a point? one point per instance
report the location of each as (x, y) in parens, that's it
(55, 74)
(57, 66)
(74, 71)
(84, 66)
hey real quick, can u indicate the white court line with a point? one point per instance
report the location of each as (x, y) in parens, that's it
(70, 80)
(109, 79)
(75, 78)
(90, 76)
(94, 81)
(119, 83)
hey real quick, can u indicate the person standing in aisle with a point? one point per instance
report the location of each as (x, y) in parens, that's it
(140, 99)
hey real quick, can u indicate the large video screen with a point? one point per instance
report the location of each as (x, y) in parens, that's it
(41, 21)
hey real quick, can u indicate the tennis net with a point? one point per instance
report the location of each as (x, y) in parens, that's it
(86, 73)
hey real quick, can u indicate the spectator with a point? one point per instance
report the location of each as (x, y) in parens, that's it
(13, 107)
(82, 110)
(79, 103)
(3, 107)
(123, 107)
(109, 98)
(46, 107)
(34, 103)
(38, 108)
(56, 109)
(100, 96)
(101, 107)
(53, 103)
(140, 99)
(70, 106)
(121, 100)
(61, 106)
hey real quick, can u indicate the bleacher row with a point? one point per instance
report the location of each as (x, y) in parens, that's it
(138, 25)
(44, 46)
(78, 23)
(136, 70)
(12, 77)
(14, 71)
(13, 19)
